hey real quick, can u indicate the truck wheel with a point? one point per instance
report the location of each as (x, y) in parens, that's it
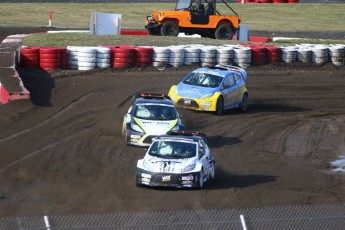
(170, 28)
(224, 32)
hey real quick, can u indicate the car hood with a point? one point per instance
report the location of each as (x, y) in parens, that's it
(162, 165)
(192, 91)
(152, 127)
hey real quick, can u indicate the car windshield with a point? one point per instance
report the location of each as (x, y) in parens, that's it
(182, 4)
(203, 79)
(155, 112)
(173, 149)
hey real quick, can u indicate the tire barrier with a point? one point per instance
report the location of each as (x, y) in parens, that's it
(242, 56)
(176, 56)
(303, 53)
(274, 54)
(103, 57)
(191, 55)
(289, 54)
(259, 54)
(160, 57)
(225, 55)
(63, 58)
(143, 56)
(87, 58)
(30, 57)
(208, 55)
(72, 52)
(125, 56)
(49, 58)
(337, 54)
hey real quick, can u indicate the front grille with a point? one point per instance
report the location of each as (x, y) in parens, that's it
(188, 103)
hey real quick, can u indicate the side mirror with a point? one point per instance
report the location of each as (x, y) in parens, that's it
(127, 118)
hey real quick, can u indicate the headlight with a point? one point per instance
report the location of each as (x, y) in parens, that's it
(206, 95)
(176, 90)
(188, 168)
(136, 128)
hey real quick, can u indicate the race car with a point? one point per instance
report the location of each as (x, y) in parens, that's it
(180, 159)
(214, 89)
(149, 116)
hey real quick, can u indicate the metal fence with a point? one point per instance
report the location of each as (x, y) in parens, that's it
(294, 217)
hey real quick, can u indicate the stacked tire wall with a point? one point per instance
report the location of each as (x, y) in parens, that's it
(87, 58)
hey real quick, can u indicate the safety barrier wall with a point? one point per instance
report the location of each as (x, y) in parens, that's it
(126, 56)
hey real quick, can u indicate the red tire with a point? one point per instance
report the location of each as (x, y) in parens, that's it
(49, 56)
(29, 50)
(50, 60)
(49, 50)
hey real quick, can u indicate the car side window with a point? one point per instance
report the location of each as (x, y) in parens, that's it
(229, 81)
(237, 78)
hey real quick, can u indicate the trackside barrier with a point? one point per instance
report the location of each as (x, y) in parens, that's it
(127, 56)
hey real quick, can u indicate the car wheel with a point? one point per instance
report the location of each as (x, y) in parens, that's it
(170, 28)
(224, 32)
(213, 171)
(137, 181)
(126, 137)
(244, 102)
(201, 179)
(219, 106)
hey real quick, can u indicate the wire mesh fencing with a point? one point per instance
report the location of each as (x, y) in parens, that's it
(292, 217)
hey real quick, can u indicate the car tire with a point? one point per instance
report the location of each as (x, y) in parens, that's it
(213, 171)
(126, 137)
(244, 102)
(170, 28)
(201, 179)
(136, 181)
(224, 32)
(220, 106)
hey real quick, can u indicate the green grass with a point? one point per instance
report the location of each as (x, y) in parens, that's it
(268, 17)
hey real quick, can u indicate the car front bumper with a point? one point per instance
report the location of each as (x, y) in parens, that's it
(182, 180)
(201, 104)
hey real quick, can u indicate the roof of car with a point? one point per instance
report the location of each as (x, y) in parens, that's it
(222, 70)
(152, 98)
(182, 135)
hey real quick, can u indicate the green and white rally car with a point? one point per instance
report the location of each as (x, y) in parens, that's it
(149, 116)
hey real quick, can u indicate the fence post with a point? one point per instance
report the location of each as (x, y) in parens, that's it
(46, 221)
(243, 222)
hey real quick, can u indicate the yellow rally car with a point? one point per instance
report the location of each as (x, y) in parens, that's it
(214, 89)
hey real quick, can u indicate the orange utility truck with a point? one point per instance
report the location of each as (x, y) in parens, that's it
(195, 17)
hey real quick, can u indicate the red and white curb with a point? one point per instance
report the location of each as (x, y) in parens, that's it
(6, 95)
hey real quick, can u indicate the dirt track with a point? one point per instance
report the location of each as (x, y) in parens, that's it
(62, 152)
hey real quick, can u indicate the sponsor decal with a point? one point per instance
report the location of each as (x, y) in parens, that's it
(145, 175)
(190, 177)
(166, 178)
(187, 102)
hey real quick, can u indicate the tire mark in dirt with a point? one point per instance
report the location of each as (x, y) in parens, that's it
(51, 145)
(65, 108)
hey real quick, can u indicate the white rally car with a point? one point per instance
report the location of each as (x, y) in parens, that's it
(149, 116)
(178, 159)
